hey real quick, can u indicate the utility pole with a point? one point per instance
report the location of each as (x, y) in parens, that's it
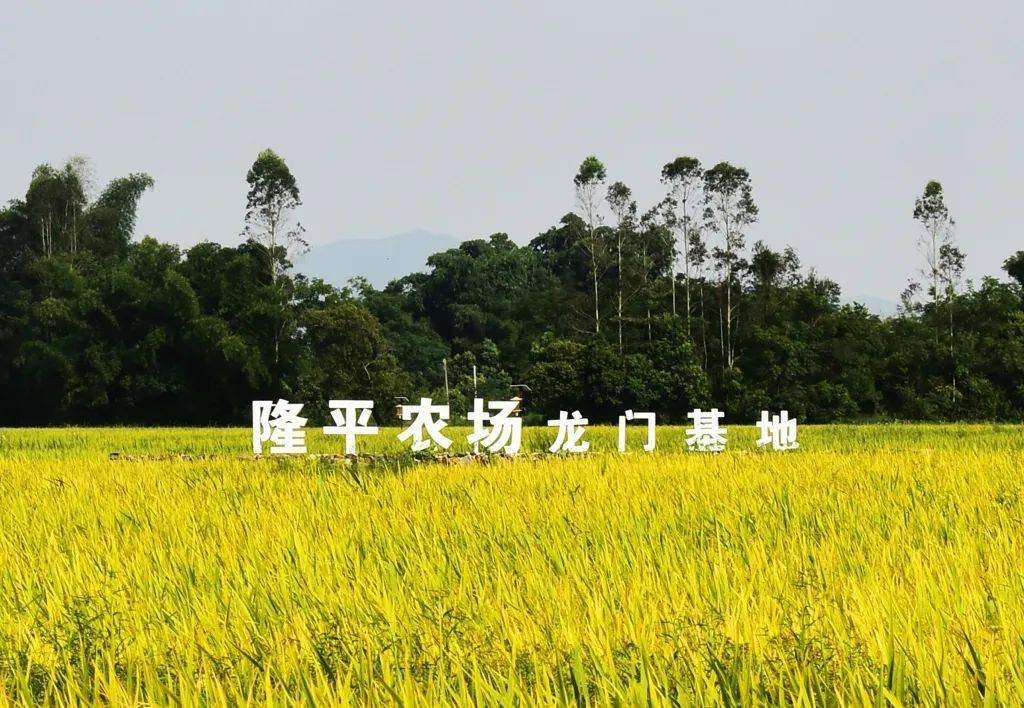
(447, 393)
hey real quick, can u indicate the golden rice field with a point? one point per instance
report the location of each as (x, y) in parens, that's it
(876, 565)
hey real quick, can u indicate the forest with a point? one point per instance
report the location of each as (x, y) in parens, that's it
(664, 307)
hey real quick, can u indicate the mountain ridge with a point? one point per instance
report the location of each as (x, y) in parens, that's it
(383, 259)
(379, 260)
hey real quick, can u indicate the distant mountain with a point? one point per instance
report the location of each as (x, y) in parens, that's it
(379, 260)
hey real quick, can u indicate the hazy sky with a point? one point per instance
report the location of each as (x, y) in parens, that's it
(469, 117)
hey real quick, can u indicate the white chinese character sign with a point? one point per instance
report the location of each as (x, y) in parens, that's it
(351, 418)
(570, 433)
(630, 415)
(497, 430)
(706, 435)
(427, 419)
(279, 428)
(778, 431)
(279, 424)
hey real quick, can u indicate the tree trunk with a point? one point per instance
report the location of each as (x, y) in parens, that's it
(721, 331)
(672, 275)
(935, 283)
(593, 268)
(620, 289)
(647, 291)
(728, 292)
(952, 353)
(728, 317)
(703, 328)
(686, 265)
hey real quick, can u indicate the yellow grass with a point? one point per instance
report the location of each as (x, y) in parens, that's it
(878, 564)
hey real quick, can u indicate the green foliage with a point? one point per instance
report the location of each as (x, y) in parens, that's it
(269, 208)
(931, 206)
(591, 171)
(112, 217)
(1014, 267)
(269, 180)
(55, 202)
(663, 376)
(347, 356)
(682, 171)
(98, 328)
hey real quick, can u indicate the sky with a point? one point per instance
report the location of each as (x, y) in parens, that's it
(469, 118)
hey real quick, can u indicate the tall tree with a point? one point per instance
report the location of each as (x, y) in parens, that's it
(620, 201)
(684, 177)
(588, 181)
(699, 258)
(936, 231)
(55, 201)
(728, 196)
(269, 209)
(649, 236)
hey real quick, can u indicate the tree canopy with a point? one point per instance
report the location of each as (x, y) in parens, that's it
(99, 326)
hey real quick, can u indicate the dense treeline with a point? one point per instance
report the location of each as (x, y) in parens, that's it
(613, 307)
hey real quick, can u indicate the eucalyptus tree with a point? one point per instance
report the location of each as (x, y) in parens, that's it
(55, 202)
(270, 224)
(588, 181)
(935, 235)
(62, 219)
(684, 177)
(729, 209)
(649, 237)
(936, 231)
(270, 206)
(622, 205)
(699, 258)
